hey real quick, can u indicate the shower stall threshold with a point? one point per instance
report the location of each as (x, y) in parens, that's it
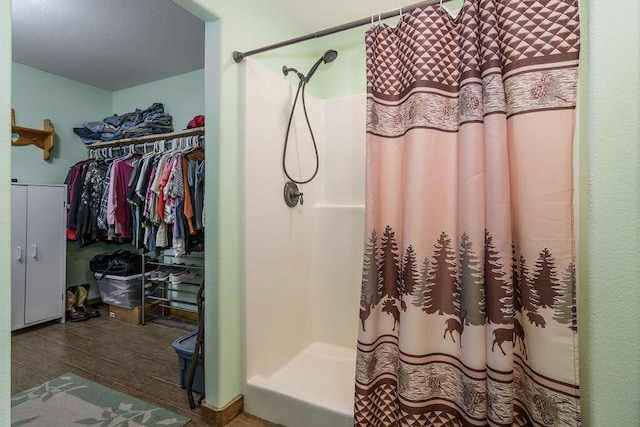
(314, 389)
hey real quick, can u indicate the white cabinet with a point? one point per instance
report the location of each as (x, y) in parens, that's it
(38, 253)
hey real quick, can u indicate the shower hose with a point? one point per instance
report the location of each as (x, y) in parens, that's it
(301, 86)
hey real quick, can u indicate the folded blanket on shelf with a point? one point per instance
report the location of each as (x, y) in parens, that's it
(149, 121)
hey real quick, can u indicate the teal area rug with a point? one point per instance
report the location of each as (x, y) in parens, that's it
(70, 400)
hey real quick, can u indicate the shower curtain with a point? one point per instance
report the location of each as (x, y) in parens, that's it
(468, 304)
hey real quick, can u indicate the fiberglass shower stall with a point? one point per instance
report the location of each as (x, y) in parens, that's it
(303, 265)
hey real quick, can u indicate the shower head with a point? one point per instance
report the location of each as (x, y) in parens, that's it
(329, 56)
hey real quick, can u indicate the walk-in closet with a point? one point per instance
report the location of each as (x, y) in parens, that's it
(108, 156)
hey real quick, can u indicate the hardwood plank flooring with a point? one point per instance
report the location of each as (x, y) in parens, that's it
(133, 359)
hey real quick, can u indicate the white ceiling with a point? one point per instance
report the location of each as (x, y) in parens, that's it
(117, 44)
(111, 44)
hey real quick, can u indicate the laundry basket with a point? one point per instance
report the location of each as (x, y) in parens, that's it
(184, 348)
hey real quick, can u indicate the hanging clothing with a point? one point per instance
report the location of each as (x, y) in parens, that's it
(73, 194)
(467, 309)
(137, 199)
(90, 200)
(102, 218)
(118, 210)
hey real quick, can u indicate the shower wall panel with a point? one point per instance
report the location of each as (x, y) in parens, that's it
(343, 152)
(303, 264)
(278, 239)
(339, 222)
(336, 274)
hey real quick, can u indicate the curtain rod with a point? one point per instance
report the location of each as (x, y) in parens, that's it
(239, 56)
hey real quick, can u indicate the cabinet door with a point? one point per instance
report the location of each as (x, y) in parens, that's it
(18, 254)
(45, 253)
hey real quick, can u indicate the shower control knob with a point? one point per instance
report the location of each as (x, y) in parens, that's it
(292, 195)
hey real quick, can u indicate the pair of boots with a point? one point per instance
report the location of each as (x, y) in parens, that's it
(77, 307)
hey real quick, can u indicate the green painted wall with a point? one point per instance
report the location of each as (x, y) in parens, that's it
(182, 96)
(609, 214)
(5, 211)
(37, 95)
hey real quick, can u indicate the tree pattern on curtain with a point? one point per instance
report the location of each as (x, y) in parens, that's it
(468, 299)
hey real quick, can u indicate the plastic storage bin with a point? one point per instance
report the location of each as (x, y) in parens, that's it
(123, 291)
(184, 347)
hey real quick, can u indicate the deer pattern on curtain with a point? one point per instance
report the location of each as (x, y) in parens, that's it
(468, 302)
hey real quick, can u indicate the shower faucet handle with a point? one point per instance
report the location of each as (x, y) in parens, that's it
(297, 195)
(292, 195)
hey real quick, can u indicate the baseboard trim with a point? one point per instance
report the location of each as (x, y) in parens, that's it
(94, 301)
(220, 417)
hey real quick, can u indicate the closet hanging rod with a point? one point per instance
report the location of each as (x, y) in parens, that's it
(239, 56)
(147, 138)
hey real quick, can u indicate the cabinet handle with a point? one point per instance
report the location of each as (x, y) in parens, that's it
(34, 251)
(19, 258)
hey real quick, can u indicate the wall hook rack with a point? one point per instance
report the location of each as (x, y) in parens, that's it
(25, 136)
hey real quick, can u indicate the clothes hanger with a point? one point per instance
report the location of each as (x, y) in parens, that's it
(147, 145)
(196, 153)
(152, 153)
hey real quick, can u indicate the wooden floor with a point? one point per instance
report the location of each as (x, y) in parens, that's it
(133, 359)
